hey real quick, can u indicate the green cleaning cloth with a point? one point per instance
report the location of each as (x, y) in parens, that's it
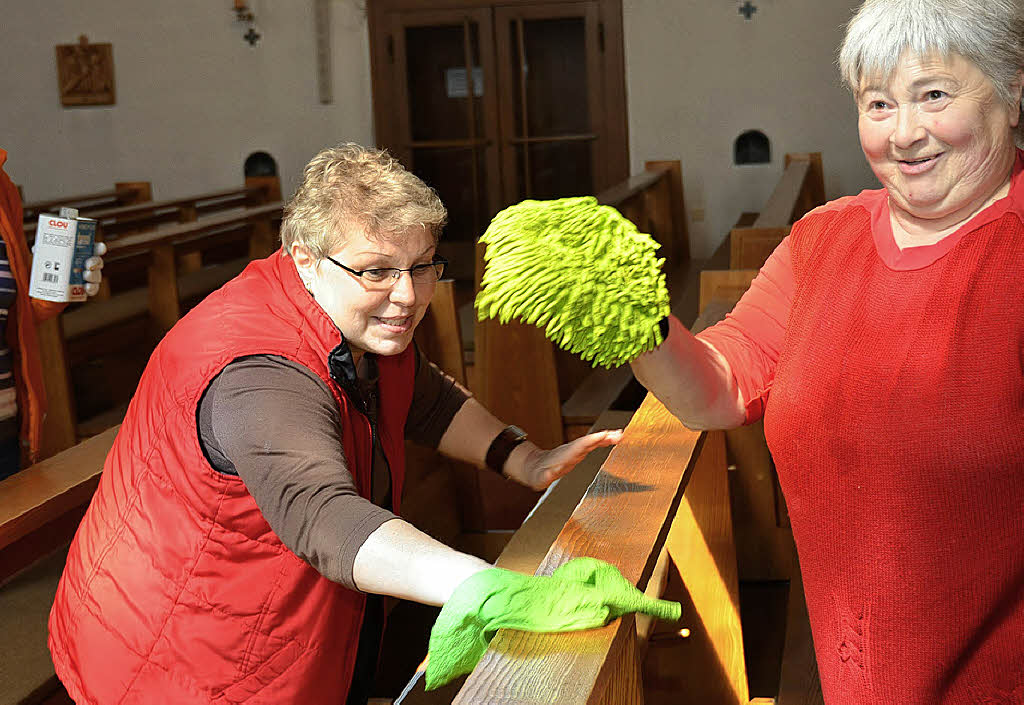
(578, 270)
(582, 594)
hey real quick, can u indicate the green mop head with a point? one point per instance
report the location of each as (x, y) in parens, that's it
(578, 270)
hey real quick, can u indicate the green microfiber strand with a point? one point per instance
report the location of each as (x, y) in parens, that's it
(580, 271)
(582, 594)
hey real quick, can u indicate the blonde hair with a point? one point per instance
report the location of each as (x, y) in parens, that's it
(353, 187)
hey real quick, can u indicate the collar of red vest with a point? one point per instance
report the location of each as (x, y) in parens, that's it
(330, 341)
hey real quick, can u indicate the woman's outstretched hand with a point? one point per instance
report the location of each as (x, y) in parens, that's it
(542, 467)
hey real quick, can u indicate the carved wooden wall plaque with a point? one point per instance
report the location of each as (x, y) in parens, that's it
(85, 73)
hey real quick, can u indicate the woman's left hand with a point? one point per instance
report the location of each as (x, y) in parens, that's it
(93, 273)
(542, 467)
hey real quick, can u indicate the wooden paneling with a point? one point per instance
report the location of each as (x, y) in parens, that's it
(123, 193)
(163, 288)
(813, 193)
(778, 211)
(518, 384)
(800, 188)
(724, 285)
(679, 229)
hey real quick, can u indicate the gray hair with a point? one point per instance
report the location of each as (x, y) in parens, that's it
(354, 187)
(988, 33)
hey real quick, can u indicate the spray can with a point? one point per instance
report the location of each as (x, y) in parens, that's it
(63, 243)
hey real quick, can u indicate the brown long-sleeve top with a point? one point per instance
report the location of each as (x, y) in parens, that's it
(275, 424)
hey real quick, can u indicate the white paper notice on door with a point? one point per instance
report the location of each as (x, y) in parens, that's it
(455, 82)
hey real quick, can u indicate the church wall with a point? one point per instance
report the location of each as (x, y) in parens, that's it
(193, 97)
(699, 74)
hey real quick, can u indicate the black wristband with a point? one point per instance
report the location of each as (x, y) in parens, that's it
(663, 327)
(502, 446)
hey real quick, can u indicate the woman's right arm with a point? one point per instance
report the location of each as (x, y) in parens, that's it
(692, 379)
(720, 378)
(275, 425)
(400, 560)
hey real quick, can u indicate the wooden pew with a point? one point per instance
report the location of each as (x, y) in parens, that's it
(800, 188)
(653, 201)
(164, 292)
(701, 570)
(141, 316)
(124, 193)
(40, 508)
(118, 220)
(531, 395)
(635, 515)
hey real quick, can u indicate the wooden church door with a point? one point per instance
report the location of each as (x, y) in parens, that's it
(492, 103)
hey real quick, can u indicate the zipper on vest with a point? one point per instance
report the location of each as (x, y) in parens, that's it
(371, 411)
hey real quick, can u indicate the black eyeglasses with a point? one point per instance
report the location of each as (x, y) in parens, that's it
(386, 277)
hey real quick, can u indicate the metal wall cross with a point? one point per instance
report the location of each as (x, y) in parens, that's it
(747, 9)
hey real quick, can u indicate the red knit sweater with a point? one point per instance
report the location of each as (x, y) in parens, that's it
(893, 396)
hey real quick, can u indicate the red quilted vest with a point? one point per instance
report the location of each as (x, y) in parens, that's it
(176, 590)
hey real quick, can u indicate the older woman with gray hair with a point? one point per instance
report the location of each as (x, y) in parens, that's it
(247, 513)
(883, 344)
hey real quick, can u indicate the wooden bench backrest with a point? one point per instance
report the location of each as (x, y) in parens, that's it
(123, 193)
(800, 188)
(636, 516)
(724, 284)
(439, 334)
(162, 297)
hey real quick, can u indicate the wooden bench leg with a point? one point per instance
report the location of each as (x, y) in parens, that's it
(163, 289)
(261, 242)
(59, 425)
(190, 261)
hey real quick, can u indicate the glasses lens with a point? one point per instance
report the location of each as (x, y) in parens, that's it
(380, 276)
(423, 274)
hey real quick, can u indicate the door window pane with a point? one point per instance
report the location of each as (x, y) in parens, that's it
(555, 71)
(439, 85)
(450, 173)
(556, 169)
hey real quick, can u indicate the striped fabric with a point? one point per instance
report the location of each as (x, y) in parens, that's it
(8, 402)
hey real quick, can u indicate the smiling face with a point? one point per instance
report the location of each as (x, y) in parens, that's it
(376, 320)
(938, 137)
